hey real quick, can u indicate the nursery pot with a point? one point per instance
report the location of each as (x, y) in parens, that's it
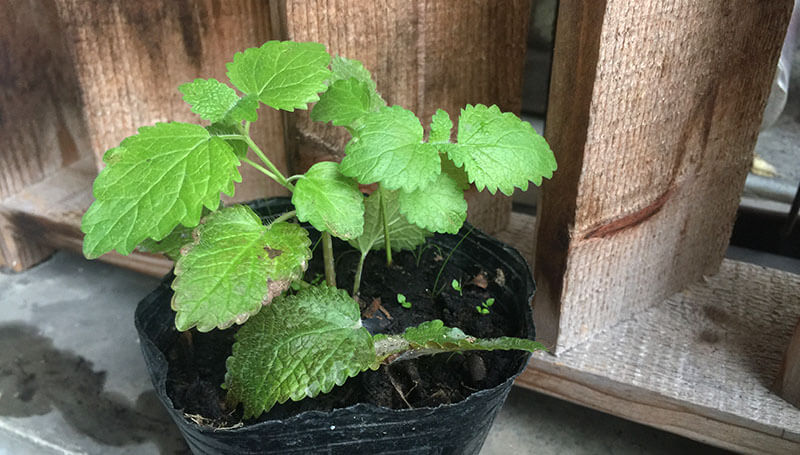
(458, 428)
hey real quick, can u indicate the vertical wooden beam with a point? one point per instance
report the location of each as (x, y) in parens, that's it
(131, 57)
(424, 55)
(787, 384)
(654, 112)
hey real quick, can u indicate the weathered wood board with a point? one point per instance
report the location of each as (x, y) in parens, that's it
(787, 383)
(654, 112)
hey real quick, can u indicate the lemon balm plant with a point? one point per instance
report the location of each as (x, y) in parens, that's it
(160, 191)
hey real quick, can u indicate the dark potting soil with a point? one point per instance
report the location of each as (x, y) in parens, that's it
(197, 360)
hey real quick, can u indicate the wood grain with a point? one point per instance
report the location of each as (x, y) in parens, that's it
(424, 55)
(654, 112)
(48, 214)
(700, 363)
(131, 57)
(787, 384)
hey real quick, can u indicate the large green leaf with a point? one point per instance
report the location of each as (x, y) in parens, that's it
(297, 347)
(438, 207)
(154, 181)
(388, 148)
(330, 201)
(216, 102)
(499, 151)
(234, 266)
(282, 74)
(404, 235)
(433, 337)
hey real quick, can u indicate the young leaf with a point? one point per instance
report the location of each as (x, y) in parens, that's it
(234, 266)
(297, 347)
(498, 150)
(216, 102)
(440, 127)
(433, 337)
(282, 74)
(157, 179)
(345, 68)
(439, 207)
(346, 101)
(170, 245)
(404, 235)
(388, 148)
(330, 201)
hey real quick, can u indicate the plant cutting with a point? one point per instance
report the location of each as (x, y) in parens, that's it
(161, 188)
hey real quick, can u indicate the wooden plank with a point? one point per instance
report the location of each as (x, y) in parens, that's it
(654, 111)
(700, 364)
(787, 384)
(424, 55)
(131, 57)
(49, 214)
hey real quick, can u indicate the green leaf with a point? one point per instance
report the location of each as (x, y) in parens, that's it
(455, 173)
(345, 102)
(234, 266)
(330, 201)
(499, 151)
(297, 347)
(433, 337)
(216, 102)
(170, 245)
(440, 127)
(439, 207)
(239, 147)
(404, 235)
(157, 179)
(388, 149)
(345, 68)
(282, 74)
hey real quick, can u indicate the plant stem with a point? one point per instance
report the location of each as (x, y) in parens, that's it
(260, 169)
(279, 177)
(327, 256)
(283, 217)
(387, 242)
(357, 280)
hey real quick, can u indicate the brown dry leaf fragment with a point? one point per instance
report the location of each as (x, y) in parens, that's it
(373, 307)
(481, 280)
(385, 313)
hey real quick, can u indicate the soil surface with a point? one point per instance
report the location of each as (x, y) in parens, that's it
(197, 361)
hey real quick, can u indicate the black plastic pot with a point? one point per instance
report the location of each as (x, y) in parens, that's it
(459, 428)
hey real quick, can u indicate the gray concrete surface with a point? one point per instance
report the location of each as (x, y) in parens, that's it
(72, 380)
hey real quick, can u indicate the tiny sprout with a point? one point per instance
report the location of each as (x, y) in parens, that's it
(401, 299)
(457, 286)
(483, 308)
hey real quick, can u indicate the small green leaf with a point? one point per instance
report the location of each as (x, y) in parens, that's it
(499, 151)
(297, 347)
(440, 127)
(404, 235)
(345, 68)
(438, 207)
(282, 74)
(330, 201)
(216, 102)
(343, 104)
(234, 266)
(170, 245)
(455, 173)
(157, 179)
(388, 148)
(489, 302)
(239, 146)
(433, 337)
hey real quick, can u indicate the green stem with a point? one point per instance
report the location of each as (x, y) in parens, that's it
(283, 217)
(357, 280)
(279, 177)
(441, 269)
(387, 242)
(327, 256)
(261, 169)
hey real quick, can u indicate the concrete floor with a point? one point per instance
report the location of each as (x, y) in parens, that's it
(72, 380)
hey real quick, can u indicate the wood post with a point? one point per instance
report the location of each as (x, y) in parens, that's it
(787, 384)
(653, 116)
(423, 55)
